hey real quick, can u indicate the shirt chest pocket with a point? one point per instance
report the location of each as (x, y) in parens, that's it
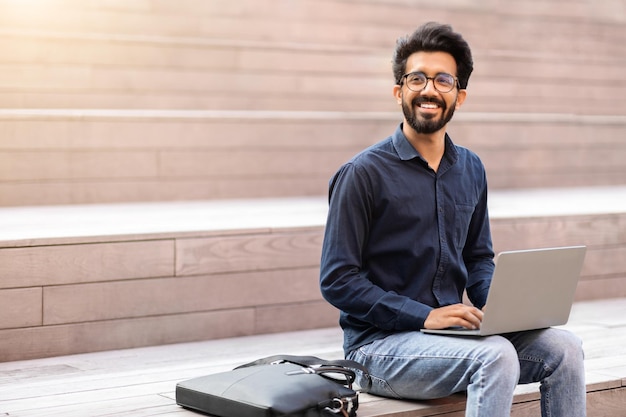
(462, 219)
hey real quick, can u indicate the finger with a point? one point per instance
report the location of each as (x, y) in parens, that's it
(467, 316)
(454, 315)
(474, 316)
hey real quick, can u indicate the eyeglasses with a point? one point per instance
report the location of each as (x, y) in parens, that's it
(417, 81)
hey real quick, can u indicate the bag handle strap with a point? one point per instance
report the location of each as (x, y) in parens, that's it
(315, 362)
(329, 372)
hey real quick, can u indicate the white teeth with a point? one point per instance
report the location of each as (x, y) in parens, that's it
(428, 105)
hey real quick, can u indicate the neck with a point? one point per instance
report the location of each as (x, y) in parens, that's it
(430, 146)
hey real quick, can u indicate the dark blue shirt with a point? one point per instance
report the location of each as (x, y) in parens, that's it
(402, 239)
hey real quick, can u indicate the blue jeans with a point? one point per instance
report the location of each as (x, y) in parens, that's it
(414, 365)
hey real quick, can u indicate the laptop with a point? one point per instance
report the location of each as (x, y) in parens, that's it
(530, 289)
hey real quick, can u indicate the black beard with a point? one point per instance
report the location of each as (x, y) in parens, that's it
(426, 126)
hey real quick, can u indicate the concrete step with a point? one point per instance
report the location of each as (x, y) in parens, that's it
(156, 273)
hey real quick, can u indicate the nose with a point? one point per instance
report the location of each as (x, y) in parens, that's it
(429, 87)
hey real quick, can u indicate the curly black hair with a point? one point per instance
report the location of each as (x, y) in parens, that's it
(434, 37)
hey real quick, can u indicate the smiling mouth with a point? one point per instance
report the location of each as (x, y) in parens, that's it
(427, 103)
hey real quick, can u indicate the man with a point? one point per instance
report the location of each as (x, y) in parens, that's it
(408, 233)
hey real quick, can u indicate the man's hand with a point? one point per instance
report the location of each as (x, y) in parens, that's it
(454, 315)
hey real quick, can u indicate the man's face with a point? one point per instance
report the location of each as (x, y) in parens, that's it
(429, 110)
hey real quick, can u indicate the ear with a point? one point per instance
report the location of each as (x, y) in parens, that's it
(460, 98)
(397, 93)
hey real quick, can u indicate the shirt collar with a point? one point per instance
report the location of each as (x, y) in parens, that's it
(406, 151)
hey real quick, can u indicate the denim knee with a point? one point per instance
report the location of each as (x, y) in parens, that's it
(502, 362)
(569, 354)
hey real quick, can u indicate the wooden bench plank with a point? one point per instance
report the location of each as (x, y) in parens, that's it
(166, 296)
(273, 251)
(68, 264)
(21, 307)
(47, 341)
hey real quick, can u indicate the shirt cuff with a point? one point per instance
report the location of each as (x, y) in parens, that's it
(412, 315)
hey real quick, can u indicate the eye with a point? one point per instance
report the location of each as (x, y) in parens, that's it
(444, 79)
(416, 78)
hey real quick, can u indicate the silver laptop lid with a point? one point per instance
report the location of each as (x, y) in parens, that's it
(532, 289)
